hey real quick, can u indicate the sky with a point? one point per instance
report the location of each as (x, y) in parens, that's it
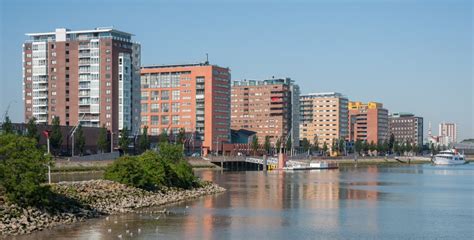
(412, 56)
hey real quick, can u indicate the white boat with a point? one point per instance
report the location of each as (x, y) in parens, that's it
(449, 157)
(315, 165)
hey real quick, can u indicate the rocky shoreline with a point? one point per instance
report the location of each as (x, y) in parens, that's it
(90, 199)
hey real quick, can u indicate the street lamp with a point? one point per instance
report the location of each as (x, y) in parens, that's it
(46, 134)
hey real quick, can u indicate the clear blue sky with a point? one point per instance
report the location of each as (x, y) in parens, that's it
(413, 56)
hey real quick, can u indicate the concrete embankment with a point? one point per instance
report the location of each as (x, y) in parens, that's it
(90, 199)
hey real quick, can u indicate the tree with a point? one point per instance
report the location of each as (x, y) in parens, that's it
(7, 126)
(408, 146)
(79, 140)
(325, 148)
(396, 148)
(391, 142)
(23, 170)
(56, 137)
(288, 144)
(102, 142)
(32, 130)
(163, 138)
(316, 143)
(181, 137)
(255, 144)
(124, 141)
(144, 142)
(266, 144)
(342, 145)
(305, 145)
(358, 146)
(334, 146)
(278, 145)
(372, 146)
(365, 146)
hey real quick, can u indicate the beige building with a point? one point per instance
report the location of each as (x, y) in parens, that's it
(323, 116)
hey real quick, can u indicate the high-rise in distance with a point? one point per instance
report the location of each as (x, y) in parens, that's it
(406, 127)
(91, 77)
(195, 97)
(368, 122)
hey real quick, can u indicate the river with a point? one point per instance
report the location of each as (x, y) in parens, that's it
(370, 202)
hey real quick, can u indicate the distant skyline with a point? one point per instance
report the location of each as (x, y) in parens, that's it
(412, 56)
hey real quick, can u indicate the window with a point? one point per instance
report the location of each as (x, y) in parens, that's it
(144, 95)
(175, 107)
(165, 107)
(165, 120)
(107, 91)
(155, 95)
(107, 115)
(154, 120)
(175, 95)
(175, 119)
(144, 107)
(108, 83)
(144, 120)
(165, 95)
(154, 107)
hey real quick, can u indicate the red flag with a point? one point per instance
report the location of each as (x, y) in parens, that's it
(46, 133)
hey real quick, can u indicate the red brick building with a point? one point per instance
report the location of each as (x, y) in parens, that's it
(86, 76)
(195, 97)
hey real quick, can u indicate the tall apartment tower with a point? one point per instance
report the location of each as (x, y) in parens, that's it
(195, 97)
(324, 116)
(447, 133)
(87, 76)
(267, 107)
(406, 127)
(368, 122)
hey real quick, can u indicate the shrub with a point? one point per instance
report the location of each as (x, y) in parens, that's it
(127, 170)
(152, 171)
(23, 170)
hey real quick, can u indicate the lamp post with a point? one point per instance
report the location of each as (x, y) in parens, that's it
(46, 134)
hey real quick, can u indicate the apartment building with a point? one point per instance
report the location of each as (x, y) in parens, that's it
(268, 107)
(406, 127)
(368, 122)
(324, 116)
(447, 133)
(195, 97)
(86, 76)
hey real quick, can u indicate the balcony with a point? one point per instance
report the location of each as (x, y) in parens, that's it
(84, 54)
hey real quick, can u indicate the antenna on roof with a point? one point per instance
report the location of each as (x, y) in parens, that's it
(207, 58)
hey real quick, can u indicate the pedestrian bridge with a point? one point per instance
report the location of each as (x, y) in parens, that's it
(238, 163)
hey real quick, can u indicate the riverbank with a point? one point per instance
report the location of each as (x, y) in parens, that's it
(64, 166)
(78, 201)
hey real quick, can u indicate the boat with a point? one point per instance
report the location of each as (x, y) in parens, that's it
(449, 157)
(312, 166)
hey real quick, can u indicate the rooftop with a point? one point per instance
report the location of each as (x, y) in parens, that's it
(271, 81)
(68, 31)
(177, 65)
(322, 94)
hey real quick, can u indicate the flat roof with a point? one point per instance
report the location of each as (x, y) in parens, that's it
(177, 65)
(96, 30)
(322, 94)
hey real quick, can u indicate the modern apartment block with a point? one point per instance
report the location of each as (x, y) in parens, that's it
(406, 127)
(447, 133)
(368, 122)
(195, 97)
(324, 116)
(267, 107)
(86, 76)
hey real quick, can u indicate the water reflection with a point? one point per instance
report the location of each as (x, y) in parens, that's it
(368, 202)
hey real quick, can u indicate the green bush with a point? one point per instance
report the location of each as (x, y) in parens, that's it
(23, 170)
(127, 170)
(152, 170)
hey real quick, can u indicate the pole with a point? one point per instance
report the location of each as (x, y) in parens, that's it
(111, 141)
(49, 164)
(72, 136)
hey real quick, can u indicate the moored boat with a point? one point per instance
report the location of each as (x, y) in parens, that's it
(449, 157)
(311, 166)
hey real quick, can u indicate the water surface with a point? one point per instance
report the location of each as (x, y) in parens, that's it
(407, 202)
